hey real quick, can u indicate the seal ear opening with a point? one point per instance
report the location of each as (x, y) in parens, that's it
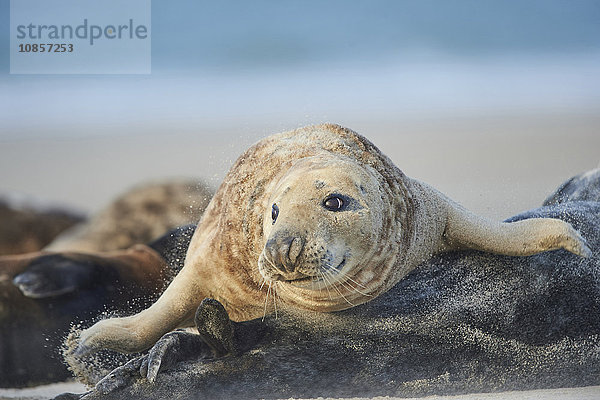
(522, 238)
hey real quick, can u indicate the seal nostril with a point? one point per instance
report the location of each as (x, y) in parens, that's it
(295, 249)
(270, 250)
(275, 254)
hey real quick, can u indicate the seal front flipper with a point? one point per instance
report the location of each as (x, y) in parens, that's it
(123, 274)
(172, 348)
(54, 275)
(121, 376)
(224, 336)
(215, 327)
(217, 337)
(214, 339)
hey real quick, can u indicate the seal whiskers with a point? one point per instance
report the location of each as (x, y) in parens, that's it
(323, 278)
(344, 283)
(262, 283)
(271, 293)
(332, 270)
(274, 295)
(330, 283)
(267, 301)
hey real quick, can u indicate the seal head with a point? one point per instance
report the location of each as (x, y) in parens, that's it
(322, 225)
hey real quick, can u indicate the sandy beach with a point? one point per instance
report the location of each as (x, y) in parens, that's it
(584, 393)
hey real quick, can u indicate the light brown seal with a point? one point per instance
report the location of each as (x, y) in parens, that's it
(323, 218)
(139, 215)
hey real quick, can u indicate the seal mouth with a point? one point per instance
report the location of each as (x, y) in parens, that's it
(310, 278)
(340, 265)
(316, 278)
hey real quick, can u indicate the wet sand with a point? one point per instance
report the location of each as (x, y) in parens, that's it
(583, 393)
(42, 392)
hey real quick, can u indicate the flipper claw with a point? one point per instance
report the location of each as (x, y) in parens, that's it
(120, 377)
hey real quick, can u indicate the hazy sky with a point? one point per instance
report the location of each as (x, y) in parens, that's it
(238, 35)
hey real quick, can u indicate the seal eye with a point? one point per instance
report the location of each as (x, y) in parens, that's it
(333, 203)
(274, 212)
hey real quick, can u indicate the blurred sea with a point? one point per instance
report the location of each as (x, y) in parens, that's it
(300, 62)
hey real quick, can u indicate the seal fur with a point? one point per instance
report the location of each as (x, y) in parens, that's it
(409, 222)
